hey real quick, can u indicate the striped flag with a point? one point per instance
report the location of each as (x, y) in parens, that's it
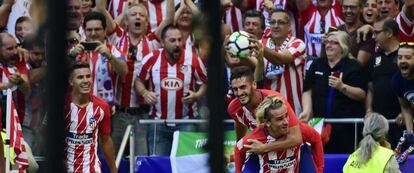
(15, 134)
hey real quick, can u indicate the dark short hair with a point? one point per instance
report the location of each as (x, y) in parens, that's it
(168, 27)
(78, 65)
(33, 41)
(23, 19)
(255, 13)
(242, 71)
(93, 15)
(281, 11)
(2, 36)
(392, 26)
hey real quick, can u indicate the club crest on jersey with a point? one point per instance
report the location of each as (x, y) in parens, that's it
(171, 83)
(284, 163)
(92, 122)
(184, 68)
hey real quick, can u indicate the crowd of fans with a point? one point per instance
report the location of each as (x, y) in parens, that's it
(147, 60)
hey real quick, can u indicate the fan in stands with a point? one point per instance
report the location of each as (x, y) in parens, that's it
(239, 44)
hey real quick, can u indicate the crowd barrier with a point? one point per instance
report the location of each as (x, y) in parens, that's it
(333, 162)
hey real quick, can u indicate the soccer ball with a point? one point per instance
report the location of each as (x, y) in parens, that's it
(239, 44)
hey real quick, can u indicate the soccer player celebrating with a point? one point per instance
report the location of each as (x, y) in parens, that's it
(87, 117)
(276, 127)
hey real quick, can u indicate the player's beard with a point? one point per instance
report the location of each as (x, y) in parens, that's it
(175, 53)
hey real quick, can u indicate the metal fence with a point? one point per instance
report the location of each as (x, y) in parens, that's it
(129, 133)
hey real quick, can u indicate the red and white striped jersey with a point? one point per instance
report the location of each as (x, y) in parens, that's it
(242, 115)
(171, 81)
(285, 161)
(287, 78)
(18, 96)
(315, 26)
(102, 72)
(157, 9)
(116, 7)
(83, 124)
(278, 4)
(406, 26)
(126, 96)
(233, 17)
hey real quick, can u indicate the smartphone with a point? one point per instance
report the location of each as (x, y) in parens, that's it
(337, 74)
(332, 29)
(89, 45)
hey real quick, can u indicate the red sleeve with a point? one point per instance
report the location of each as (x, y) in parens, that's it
(22, 67)
(233, 108)
(310, 135)
(105, 124)
(338, 9)
(239, 158)
(304, 17)
(240, 151)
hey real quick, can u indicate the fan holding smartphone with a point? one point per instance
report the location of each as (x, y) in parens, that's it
(104, 59)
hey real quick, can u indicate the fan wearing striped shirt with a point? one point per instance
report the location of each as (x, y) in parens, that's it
(179, 80)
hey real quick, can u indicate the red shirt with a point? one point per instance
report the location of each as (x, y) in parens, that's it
(171, 81)
(83, 124)
(310, 135)
(286, 161)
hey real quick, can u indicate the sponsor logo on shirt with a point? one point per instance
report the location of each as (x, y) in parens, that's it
(171, 83)
(316, 38)
(319, 73)
(282, 163)
(79, 139)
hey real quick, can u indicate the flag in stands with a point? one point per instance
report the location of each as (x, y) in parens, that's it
(16, 136)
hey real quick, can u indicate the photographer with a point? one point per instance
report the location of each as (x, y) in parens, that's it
(104, 59)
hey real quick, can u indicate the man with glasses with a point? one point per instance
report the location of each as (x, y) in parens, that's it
(403, 82)
(380, 69)
(352, 11)
(105, 60)
(284, 60)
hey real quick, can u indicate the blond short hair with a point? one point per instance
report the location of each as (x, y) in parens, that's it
(344, 41)
(270, 102)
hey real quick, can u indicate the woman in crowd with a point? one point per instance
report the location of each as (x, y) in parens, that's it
(335, 87)
(370, 12)
(374, 153)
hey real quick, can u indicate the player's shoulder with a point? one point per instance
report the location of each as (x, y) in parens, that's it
(99, 101)
(258, 133)
(266, 92)
(234, 106)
